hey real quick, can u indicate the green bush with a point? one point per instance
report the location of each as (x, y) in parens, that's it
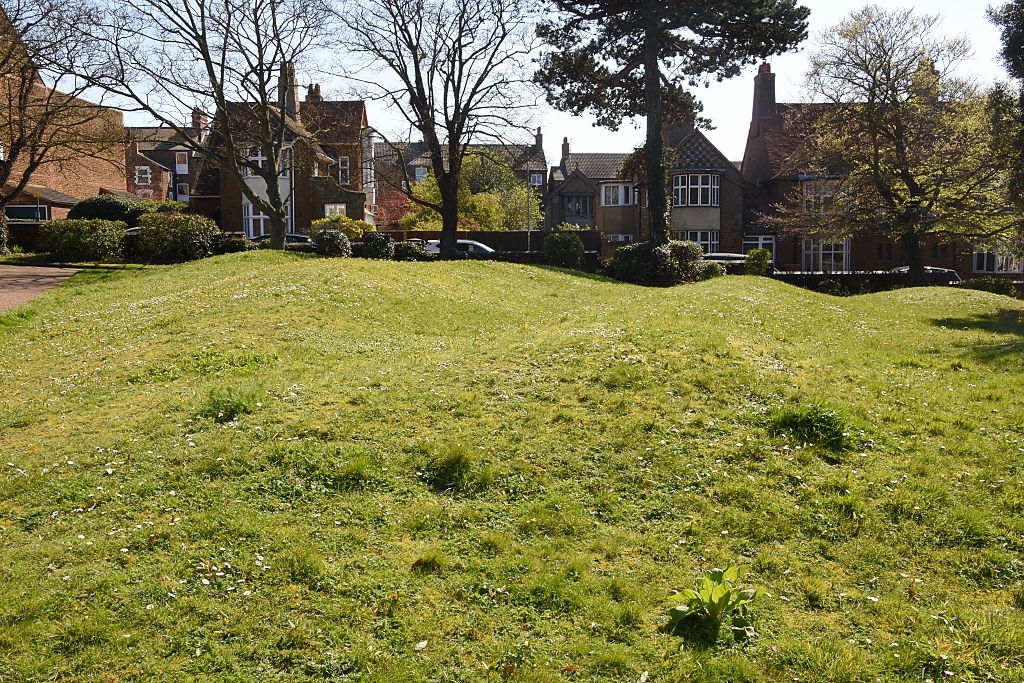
(812, 424)
(82, 240)
(996, 285)
(411, 251)
(662, 266)
(758, 261)
(175, 237)
(224, 405)
(331, 242)
(564, 250)
(112, 207)
(352, 228)
(709, 269)
(378, 245)
(232, 245)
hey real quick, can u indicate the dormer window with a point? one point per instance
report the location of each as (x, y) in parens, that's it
(696, 189)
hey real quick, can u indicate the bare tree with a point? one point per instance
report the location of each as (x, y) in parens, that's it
(453, 69)
(45, 123)
(168, 58)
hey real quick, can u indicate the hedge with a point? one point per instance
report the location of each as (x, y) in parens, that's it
(564, 250)
(331, 242)
(352, 228)
(657, 266)
(82, 240)
(175, 237)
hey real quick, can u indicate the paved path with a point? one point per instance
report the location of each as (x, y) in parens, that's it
(19, 284)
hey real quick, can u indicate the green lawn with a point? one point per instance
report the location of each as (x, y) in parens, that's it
(269, 467)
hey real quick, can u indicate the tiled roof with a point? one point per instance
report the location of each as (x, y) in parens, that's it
(602, 166)
(334, 122)
(695, 152)
(156, 138)
(50, 196)
(788, 131)
(521, 157)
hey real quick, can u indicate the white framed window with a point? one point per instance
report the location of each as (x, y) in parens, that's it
(143, 175)
(344, 171)
(696, 189)
(577, 205)
(619, 238)
(989, 261)
(181, 162)
(536, 179)
(256, 223)
(826, 256)
(707, 239)
(335, 210)
(419, 173)
(255, 157)
(182, 192)
(751, 242)
(617, 195)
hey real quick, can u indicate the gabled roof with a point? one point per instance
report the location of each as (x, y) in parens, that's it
(696, 153)
(520, 156)
(334, 122)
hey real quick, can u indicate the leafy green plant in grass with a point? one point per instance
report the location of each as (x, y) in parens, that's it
(716, 598)
(450, 467)
(431, 562)
(224, 405)
(813, 424)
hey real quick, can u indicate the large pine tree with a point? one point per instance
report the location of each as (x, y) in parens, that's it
(626, 58)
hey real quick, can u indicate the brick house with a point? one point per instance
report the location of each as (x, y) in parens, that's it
(528, 163)
(70, 175)
(707, 194)
(588, 190)
(158, 164)
(331, 167)
(777, 132)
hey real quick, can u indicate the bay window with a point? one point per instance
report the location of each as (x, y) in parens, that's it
(696, 189)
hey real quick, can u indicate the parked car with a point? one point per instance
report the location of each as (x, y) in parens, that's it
(464, 246)
(290, 238)
(937, 274)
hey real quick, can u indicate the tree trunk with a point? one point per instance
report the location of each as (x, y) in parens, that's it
(278, 229)
(4, 249)
(655, 149)
(915, 259)
(448, 188)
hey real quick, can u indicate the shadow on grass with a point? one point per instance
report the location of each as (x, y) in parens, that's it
(696, 632)
(1003, 321)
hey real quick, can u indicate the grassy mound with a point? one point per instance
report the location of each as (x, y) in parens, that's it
(265, 466)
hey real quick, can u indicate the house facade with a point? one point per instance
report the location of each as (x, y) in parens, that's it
(588, 190)
(158, 164)
(778, 132)
(329, 166)
(707, 194)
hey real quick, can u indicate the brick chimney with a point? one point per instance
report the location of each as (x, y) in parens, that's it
(538, 140)
(764, 92)
(199, 123)
(313, 93)
(288, 90)
(565, 152)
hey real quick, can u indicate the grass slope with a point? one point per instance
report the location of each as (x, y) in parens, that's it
(269, 467)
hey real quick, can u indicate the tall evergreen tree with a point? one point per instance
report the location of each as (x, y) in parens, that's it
(626, 58)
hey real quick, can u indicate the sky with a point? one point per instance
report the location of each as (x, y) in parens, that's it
(728, 104)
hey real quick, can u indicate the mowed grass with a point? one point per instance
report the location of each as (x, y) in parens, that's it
(269, 467)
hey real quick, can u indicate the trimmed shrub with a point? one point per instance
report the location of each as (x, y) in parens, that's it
(709, 269)
(331, 242)
(411, 251)
(662, 266)
(175, 237)
(300, 247)
(231, 245)
(564, 250)
(82, 240)
(758, 261)
(351, 228)
(358, 250)
(996, 285)
(378, 245)
(106, 207)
